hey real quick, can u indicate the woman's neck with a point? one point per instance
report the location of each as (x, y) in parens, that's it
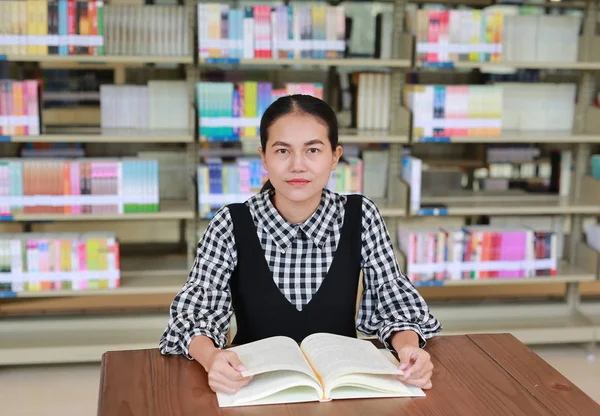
(293, 211)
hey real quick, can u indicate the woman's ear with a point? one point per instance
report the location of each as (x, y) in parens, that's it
(337, 154)
(262, 157)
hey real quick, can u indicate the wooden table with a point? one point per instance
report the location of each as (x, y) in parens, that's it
(474, 375)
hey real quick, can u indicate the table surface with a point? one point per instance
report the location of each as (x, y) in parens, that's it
(473, 375)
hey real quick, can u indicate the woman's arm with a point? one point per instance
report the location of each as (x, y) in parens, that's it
(203, 306)
(390, 304)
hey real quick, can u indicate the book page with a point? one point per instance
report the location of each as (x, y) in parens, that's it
(334, 356)
(274, 387)
(272, 354)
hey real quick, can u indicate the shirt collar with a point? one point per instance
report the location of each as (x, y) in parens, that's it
(317, 227)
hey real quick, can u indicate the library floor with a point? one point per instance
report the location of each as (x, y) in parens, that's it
(72, 390)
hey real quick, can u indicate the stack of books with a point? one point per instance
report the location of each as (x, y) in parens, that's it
(19, 108)
(52, 27)
(32, 262)
(231, 111)
(458, 35)
(79, 186)
(146, 106)
(477, 252)
(445, 36)
(152, 30)
(271, 32)
(455, 110)
(221, 183)
(372, 100)
(347, 178)
(225, 182)
(538, 107)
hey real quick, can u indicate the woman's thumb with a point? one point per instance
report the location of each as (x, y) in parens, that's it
(404, 355)
(234, 361)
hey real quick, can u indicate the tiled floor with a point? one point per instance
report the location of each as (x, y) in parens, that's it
(72, 390)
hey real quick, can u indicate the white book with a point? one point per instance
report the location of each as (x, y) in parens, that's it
(322, 368)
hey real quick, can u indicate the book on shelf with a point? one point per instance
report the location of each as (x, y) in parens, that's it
(493, 35)
(323, 367)
(371, 100)
(52, 27)
(155, 106)
(538, 107)
(78, 186)
(19, 108)
(34, 262)
(266, 32)
(477, 252)
(411, 174)
(147, 30)
(230, 111)
(455, 110)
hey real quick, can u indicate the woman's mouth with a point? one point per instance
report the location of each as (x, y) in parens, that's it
(298, 182)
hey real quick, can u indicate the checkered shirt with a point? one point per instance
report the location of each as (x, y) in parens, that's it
(299, 256)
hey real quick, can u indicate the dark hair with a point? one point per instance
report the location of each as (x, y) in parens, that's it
(299, 104)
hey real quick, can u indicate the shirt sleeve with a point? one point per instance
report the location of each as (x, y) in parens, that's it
(203, 306)
(389, 301)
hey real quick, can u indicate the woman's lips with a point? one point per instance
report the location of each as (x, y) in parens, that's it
(298, 182)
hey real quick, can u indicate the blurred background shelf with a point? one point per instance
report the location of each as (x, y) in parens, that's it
(106, 135)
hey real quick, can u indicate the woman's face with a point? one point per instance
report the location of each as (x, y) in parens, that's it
(298, 156)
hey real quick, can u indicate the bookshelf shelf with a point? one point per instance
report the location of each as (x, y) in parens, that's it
(567, 273)
(103, 59)
(535, 323)
(170, 210)
(390, 209)
(516, 204)
(508, 65)
(108, 136)
(591, 310)
(139, 276)
(67, 340)
(371, 136)
(349, 62)
(518, 137)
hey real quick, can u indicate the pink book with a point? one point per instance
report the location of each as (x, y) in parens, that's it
(512, 248)
(74, 186)
(31, 105)
(82, 283)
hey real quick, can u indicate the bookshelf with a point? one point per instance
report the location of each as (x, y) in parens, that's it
(77, 337)
(107, 135)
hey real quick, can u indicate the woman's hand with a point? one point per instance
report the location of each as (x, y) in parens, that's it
(417, 366)
(225, 372)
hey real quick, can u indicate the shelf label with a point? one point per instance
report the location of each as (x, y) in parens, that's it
(6, 218)
(432, 211)
(222, 61)
(4, 139)
(431, 283)
(435, 139)
(437, 64)
(6, 295)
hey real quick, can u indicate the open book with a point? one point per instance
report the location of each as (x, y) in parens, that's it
(324, 367)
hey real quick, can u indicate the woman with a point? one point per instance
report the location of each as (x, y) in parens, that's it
(288, 260)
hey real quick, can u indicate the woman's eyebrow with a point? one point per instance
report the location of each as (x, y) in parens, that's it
(308, 143)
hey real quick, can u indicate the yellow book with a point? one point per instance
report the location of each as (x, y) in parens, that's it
(15, 25)
(43, 26)
(250, 104)
(31, 27)
(475, 34)
(214, 28)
